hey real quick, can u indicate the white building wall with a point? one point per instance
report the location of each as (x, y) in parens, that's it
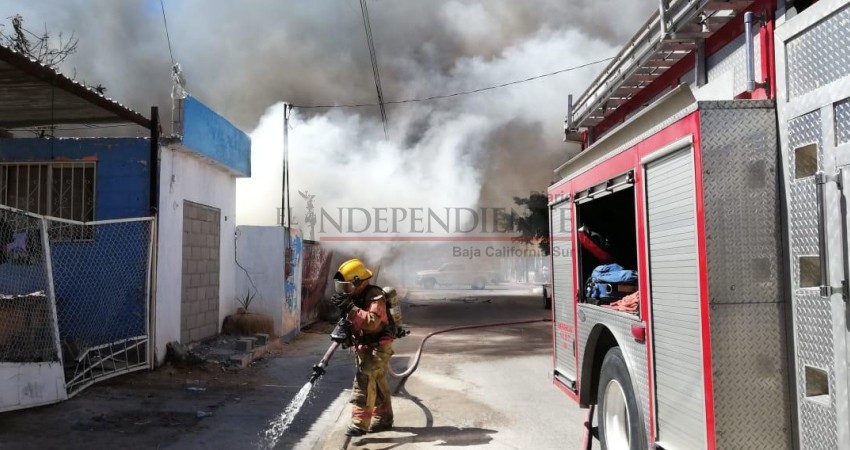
(260, 252)
(186, 176)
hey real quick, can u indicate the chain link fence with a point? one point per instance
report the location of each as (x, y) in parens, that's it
(27, 318)
(101, 278)
(75, 292)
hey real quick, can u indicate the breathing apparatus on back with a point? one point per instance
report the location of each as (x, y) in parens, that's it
(351, 276)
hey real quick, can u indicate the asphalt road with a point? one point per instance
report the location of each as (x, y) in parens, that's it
(488, 387)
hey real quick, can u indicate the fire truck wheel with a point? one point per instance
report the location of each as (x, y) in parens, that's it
(619, 422)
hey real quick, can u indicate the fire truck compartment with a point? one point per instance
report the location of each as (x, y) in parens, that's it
(700, 224)
(612, 217)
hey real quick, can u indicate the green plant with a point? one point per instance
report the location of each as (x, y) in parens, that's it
(246, 300)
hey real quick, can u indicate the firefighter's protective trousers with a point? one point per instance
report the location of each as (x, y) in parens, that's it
(371, 398)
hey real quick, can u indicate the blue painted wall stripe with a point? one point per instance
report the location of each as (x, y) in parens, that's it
(208, 134)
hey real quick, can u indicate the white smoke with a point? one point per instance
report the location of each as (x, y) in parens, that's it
(241, 59)
(446, 153)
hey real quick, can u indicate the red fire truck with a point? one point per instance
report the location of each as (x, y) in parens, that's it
(715, 162)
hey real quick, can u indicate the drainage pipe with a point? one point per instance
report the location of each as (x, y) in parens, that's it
(749, 20)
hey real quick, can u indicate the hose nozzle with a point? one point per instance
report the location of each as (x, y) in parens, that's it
(318, 371)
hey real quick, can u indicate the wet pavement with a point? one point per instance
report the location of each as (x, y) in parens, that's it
(489, 388)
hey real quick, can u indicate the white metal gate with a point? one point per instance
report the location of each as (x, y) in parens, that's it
(30, 359)
(77, 295)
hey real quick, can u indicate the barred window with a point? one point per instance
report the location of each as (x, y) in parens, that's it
(60, 189)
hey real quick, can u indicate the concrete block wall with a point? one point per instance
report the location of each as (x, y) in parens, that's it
(201, 264)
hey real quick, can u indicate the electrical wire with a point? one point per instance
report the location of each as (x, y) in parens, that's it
(374, 57)
(167, 36)
(85, 127)
(235, 250)
(456, 94)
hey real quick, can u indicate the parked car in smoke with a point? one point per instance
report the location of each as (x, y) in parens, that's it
(455, 274)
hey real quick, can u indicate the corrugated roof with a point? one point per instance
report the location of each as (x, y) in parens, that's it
(32, 94)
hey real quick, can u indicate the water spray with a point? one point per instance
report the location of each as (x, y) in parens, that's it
(342, 336)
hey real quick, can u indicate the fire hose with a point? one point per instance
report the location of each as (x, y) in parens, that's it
(342, 334)
(415, 364)
(319, 369)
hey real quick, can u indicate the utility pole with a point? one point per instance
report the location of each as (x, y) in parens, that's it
(284, 197)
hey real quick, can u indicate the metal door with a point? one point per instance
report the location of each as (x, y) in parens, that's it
(563, 294)
(675, 301)
(813, 88)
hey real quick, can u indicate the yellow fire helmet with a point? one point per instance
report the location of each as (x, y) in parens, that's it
(351, 273)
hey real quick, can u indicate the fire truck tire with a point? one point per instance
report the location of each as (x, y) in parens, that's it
(620, 426)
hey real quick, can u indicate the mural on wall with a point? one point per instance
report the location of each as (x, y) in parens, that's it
(292, 285)
(317, 263)
(310, 217)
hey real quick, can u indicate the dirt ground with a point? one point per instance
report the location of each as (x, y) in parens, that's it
(161, 408)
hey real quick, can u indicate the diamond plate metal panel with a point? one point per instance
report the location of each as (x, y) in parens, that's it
(813, 338)
(563, 289)
(804, 130)
(820, 55)
(634, 352)
(842, 122)
(741, 204)
(813, 323)
(736, 104)
(751, 399)
(802, 203)
(732, 58)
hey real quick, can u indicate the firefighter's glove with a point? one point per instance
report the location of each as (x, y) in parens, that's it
(342, 301)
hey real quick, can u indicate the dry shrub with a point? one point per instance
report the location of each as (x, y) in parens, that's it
(244, 323)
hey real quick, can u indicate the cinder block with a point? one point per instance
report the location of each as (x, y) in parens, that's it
(261, 338)
(196, 334)
(244, 345)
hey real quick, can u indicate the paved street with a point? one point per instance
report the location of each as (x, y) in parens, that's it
(484, 387)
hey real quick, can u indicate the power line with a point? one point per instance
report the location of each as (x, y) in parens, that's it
(85, 127)
(374, 57)
(167, 37)
(456, 94)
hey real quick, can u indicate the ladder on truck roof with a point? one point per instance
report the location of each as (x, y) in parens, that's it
(673, 32)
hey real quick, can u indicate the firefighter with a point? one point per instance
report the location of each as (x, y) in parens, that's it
(365, 306)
